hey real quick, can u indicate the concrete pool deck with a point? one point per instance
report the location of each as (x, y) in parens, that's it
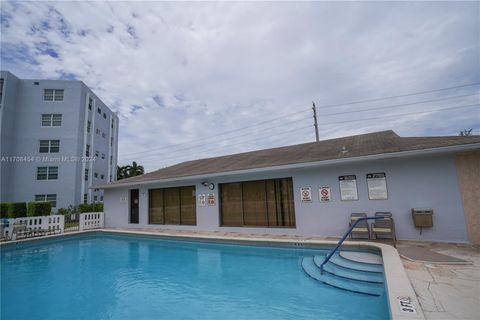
(440, 291)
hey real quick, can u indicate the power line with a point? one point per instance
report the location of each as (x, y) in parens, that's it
(226, 139)
(401, 105)
(234, 144)
(397, 96)
(403, 114)
(221, 133)
(356, 120)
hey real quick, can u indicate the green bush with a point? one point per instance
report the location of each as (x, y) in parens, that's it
(62, 211)
(70, 210)
(17, 210)
(91, 207)
(98, 207)
(4, 209)
(37, 208)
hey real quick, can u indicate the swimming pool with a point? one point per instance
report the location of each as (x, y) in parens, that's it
(116, 276)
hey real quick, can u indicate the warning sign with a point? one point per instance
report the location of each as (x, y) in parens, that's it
(324, 194)
(306, 194)
(202, 200)
(211, 199)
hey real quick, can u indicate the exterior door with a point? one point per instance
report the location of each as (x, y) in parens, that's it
(134, 199)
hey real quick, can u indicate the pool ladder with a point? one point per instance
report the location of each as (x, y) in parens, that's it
(339, 244)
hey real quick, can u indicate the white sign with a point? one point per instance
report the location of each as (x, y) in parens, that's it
(348, 187)
(306, 194)
(377, 186)
(324, 194)
(406, 305)
(211, 199)
(202, 200)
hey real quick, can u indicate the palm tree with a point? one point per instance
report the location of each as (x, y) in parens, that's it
(129, 171)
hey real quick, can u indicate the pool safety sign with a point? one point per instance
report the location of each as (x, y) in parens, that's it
(406, 305)
(306, 194)
(377, 186)
(348, 187)
(324, 194)
(202, 200)
(211, 199)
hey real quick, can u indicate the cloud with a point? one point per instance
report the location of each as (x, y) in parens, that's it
(180, 72)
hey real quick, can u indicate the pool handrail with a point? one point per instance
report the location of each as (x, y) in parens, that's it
(331, 253)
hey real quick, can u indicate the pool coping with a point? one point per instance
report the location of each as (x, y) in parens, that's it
(396, 280)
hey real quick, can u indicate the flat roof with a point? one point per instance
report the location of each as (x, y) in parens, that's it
(377, 143)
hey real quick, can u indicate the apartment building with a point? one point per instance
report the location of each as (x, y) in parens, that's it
(58, 140)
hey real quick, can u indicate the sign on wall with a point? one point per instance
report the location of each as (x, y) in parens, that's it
(324, 194)
(306, 194)
(211, 199)
(348, 187)
(202, 200)
(377, 186)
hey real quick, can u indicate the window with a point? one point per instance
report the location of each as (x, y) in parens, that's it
(103, 155)
(111, 160)
(97, 153)
(102, 176)
(112, 123)
(99, 111)
(263, 203)
(90, 103)
(87, 150)
(104, 116)
(95, 198)
(52, 198)
(47, 173)
(111, 142)
(97, 131)
(89, 126)
(86, 174)
(85, 198)
(103, 135)
(96, 175)
(172, 206)
(53, 95)
(49, 146)
(51, 120)
(101, 198)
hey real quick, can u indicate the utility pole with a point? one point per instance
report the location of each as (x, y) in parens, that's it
(315, 120)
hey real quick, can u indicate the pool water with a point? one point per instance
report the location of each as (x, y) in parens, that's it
(106, 276)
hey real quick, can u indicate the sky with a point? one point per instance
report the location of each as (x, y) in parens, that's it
(202, 79)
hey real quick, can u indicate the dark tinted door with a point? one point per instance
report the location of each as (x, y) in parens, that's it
(134, 206)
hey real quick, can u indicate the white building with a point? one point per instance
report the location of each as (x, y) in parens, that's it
(57, 140)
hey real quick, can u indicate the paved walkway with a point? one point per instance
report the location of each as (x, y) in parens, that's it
(446, 291)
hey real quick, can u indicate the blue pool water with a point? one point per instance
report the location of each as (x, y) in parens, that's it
(103, 276)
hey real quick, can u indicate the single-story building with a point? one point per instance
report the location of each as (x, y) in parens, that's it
(311, 189)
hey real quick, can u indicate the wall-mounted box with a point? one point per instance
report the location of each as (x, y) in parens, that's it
(422, 218)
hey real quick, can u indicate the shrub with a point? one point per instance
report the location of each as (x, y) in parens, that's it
(4, 210)
(37, 208)
(85, 207)
(98, 207)
(17, 210)
(91, 207)
(62, 211)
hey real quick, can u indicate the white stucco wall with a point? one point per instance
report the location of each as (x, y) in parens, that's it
(412, 182)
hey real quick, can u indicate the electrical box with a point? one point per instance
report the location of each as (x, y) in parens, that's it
(422, 218)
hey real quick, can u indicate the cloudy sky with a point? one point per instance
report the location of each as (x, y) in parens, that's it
(193, 80)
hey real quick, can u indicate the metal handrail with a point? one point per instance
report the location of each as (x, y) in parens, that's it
(345, 237)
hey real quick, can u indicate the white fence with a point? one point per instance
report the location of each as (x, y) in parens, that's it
(91, 220)
(54, 223)
(51, 223)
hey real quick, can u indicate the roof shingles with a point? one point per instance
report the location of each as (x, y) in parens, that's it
(346, 147)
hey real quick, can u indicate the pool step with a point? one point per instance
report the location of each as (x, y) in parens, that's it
(339, 261)
(349, 273)
(363, 257)
(313, 271)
